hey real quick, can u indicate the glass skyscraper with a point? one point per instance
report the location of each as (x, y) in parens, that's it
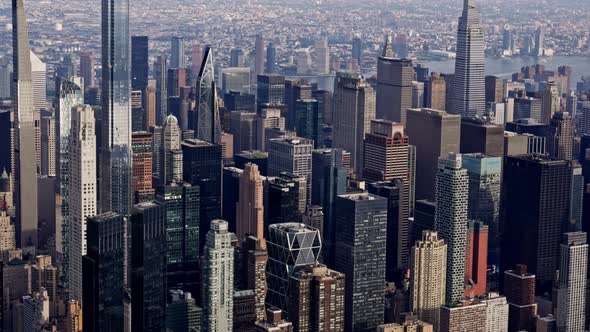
(207, 121)
(115, 158)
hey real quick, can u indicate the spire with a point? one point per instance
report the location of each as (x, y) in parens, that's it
(387, 50)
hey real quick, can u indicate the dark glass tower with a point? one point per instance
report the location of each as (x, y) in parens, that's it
(103, 273)
(535, 212)
(207, 120)
(271, 55)
(361, 253)
(309, 120)
(160, 74)
(139, 63)
(202, 166)
(115, 178)
(181, 204)
(282, 200)
(148, 267)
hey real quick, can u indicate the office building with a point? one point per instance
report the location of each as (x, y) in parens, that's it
(465, 317)
(181, 204)
(361, 243)
(148, 267)
(316, 299)
(207, 122)
(479, 136)
(527, 107)
(354, 99)
(409, 325)
(572, 287)
(236, 57)
(182, 314)
(309, 120)
(82, 192)
(435, 93)
(255, 157)
(270, 89)
(550, 102)
(171, 156)
(115, 147)
(250, 216)
(259, 55)
(519, 289)
(139, 63)
(48, 146)
(202, 167)
(177, 58)
(196, 60)
(496, 312)
(271, 58)
(34, 311)
(290, 247)
(218, 279)
(236, 79)
(322, 56)
(104, 264)
(560, 136)
(244, 311)
(44, 279)
(394, 85)
(294, 90)
(269, 117)
(494, 89)
(286, 197)
(452, 188)
(160, 74)
(535, 201)
(485, 177)
(291, 155)
(427, 286)
(255, 272)
(39, 79)
(243, 128)
(25, 176)
(445, 135)
(7, 234)
(417, 94)
(74, 317)
(476, 259)
(87, 69)
(141, 184)
(274, 322)
(469, 82)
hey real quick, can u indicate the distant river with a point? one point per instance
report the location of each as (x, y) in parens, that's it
(505, 67)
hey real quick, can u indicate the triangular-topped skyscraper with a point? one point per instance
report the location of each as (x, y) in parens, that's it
(207, 121)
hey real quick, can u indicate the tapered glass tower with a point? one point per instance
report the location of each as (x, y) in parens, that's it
(207, 126)
(115, 150)
(469, 98)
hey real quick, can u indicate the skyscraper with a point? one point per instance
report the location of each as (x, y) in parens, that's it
(25, 177)
(177, 58)
(361, 243)
(429, 268)
(236, 58)
(250, 207)
(560, 136)
(141, 184)
(87, 69)
(171, 158)
(519, 288)
(148, 267)
(286, 197)
(218, 279)
(160, 74)
(48, 146)
(290, 247)
(354, 99)
(535, 203)
(452, 183)
(259, 55)
(139, 63)
(571, 292)
(476, 259)
(207, 122)
(550, 102)
(82, 192)
(480, 136)
(39, 79)
(394, 85)
(291, 155)
(271, 54)
(435, 92)
(104, 264)
(357, 50)
(469, 82)
(115, 155)
(446, 129)
(309, 120)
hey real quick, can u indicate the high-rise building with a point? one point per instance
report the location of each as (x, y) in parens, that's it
(519, 288)
(269, 117)
(445, 135)
(394, 85)
(196, 59)
(322, 56)
(244, 310)
(360, 242)
(476, 259)
(160, 74)
(469, 90)
(560, 136)
(236, 79)
(427, 286)
(236, 58)
(139, 63)
(181, 205)
(44, 277)
(250, 218)
(485, 176)
(435, 93)
(7, 234)
(177, 58)
(34, 311)
(539, 49)
(535, 202)
(452, 188)
(148, 267)
(496, 312)
(285, 199)
(354, 99)
(243, 128)
(572, 287)
(104, 264)
(25, 173)
(357, 50)
(141, 184)
(87, 69)
(309, 120)
(171, 157)
(316, 299)
(550, 102)
(271, 58)
(202, 167)
(207, 122)
(291, 155)
(39, 79)
(137, 111)
(274, 322)
(270, 89)
(218, 279)
(494, 89)
(115, 147)
(259, 55)
(480, 136)
(74, 317)
(182, 314)
(465, 317)
(82, 192)
(293, 90)
(290, 247)
(255, 157)
(48, 146)
(149, 102)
